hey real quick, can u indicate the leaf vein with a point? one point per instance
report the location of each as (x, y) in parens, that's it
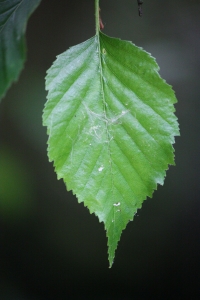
(64, 66)
(91, 168)
(81, 100)
(130, 163)
(135, 118)
(120, 81)
(129, 68)
(17, 6)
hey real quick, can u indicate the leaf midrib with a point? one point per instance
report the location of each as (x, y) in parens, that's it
(104, 104)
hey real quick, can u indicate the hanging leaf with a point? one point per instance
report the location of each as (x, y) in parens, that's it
(13, 18)
(111, 126)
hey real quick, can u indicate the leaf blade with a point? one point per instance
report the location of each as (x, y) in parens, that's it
(111, 130)
(13, 18)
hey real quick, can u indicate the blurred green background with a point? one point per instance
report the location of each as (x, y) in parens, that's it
(50, 246)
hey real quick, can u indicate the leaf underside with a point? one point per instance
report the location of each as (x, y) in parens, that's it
(111, 125)
(14, 15)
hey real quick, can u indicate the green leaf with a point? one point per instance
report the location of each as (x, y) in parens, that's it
(13, 18)
(111, 125)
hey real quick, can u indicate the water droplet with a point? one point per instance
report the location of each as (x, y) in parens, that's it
(101, 169)
(117, 204)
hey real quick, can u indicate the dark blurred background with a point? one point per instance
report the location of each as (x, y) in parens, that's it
(50, 246)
